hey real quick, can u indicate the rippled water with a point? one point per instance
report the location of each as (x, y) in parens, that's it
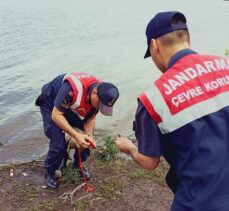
(41, 39)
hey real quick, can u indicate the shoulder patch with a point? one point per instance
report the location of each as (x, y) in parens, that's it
(66, 104)
(70, 93)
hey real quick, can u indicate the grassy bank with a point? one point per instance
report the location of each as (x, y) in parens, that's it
(120, 185)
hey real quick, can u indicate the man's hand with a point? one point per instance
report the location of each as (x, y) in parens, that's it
(124, 144)
(81, 140)
(59, 118)
(92, 141)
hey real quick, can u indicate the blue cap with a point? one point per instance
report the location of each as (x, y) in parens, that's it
(161, 24)
(108, 94)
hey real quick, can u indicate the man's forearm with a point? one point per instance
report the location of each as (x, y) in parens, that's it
(89, 127)
(142, 160)
(61, 122)
(133, 152)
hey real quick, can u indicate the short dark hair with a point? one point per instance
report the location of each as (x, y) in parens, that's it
(178, 36)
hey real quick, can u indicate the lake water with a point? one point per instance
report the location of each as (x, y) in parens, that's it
(41, 39)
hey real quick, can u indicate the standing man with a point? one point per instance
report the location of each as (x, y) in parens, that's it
(72, 100)
(184, 116)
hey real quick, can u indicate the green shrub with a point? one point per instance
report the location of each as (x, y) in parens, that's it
(108, 151)
(227, 52)
(71, 176)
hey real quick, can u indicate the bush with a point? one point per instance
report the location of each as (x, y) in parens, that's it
(71, 176)
(108, 151)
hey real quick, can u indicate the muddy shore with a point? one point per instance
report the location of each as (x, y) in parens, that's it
(120, 185)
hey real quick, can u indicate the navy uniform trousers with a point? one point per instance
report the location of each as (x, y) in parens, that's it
(57, 145)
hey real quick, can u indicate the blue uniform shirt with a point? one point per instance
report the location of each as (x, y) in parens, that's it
(51, 89)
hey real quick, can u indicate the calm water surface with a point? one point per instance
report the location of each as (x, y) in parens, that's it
(42, 39)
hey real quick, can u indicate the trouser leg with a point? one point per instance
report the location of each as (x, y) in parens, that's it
(84, 156)
(57, 145)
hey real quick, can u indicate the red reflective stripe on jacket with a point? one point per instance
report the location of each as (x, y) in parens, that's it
(80, 82)
(149, 107)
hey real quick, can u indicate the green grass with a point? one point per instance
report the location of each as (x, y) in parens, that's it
(81, 205)
(110, 187)
(48, 206)
(142, 174)
(158, 175)
(112, 184)
(26, 194)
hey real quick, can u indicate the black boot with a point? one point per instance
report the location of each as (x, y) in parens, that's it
(50, 180)
(82, 174)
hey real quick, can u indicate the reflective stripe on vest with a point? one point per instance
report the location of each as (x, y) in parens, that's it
(196, 97)
(79, 87)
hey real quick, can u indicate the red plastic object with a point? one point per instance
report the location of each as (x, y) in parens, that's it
(88, 188)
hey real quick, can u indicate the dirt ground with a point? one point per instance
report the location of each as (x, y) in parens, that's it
(120, 185)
